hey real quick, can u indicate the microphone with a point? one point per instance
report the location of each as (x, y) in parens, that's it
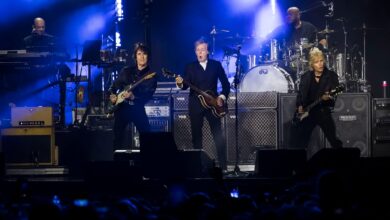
(340, 19)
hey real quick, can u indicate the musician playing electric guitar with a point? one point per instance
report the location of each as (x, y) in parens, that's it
(204, 74)
(315, 85)
(130, 103)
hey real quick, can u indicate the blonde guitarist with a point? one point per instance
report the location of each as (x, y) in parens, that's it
(134, 87)
(204, 74)
(316, 86)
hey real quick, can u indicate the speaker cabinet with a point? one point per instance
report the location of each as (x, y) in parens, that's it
(280, 163)
(194, 163)
(183, 138)
(342, 159)
(286, 112)
(29, 146)
(253, 100)
(381, 127)
(256, 129)
(352, 116)
(160, 157)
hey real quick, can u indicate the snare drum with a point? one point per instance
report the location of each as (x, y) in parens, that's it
(266, 77)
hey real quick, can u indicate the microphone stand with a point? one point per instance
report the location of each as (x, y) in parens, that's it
(236, 172)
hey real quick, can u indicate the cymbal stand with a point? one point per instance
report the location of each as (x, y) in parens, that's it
(77, 84)
(236, 172)
(213, 33)
(344, 69)
(363, 79)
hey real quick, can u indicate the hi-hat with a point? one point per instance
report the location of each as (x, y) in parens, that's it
(326, 31)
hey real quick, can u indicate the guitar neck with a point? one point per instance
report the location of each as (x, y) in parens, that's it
(309, 107)
(196, 89)
(135, 85)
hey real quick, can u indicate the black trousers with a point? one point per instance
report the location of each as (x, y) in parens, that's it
(123, 117)
(197, 114)
(321, 117)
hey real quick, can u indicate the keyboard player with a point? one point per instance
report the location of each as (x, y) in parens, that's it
(39, 40)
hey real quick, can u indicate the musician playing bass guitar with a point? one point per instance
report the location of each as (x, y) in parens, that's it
(316, 84)
(132, 109)
(204, 75)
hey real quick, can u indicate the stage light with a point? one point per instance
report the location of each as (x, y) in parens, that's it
(267, 19)
(242, 5)
(118, 42)
(119, 9)
(273, 6)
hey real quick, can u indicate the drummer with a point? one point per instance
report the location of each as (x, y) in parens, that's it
(297, 32)
(296, 38)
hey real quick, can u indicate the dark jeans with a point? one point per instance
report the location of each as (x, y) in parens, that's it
(321, 117)
(196, 118)
(123, 117)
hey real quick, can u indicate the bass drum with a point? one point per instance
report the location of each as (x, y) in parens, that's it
(266, 78)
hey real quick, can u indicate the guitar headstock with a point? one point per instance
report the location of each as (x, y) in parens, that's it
(150, 75)
(340, 88)
(167, 73)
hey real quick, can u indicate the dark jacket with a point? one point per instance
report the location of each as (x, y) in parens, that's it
(129, 75)
(329, 81)
(206, 79)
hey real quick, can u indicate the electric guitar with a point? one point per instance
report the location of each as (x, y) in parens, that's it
(299, 117)
(128, 88)
(207, 98)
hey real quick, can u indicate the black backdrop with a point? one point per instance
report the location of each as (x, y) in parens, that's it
(174, 25)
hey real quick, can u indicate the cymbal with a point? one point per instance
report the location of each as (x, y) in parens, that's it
(218, 31)
(304, 46)
(326, 31)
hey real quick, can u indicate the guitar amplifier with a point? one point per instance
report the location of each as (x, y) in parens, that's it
(253, 100)
(180, 101)
(29, 146)
(31, 116)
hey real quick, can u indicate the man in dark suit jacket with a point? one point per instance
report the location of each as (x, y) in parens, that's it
(316, 84)
(204, 74)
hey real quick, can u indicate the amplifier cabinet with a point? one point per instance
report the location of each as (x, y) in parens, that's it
(180, 101)
(352, 116)
(253, 100)
(29, 146)
(31, 116)
(257, 129)
(381, 127)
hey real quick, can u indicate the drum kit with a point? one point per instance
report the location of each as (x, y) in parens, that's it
(274, 66)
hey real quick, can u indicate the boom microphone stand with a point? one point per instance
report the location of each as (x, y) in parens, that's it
(236, 172)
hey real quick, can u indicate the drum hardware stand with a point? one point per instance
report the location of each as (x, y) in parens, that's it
(77, 83)
(344, 69)
(213, 33)
(363, 80)
(236, 172)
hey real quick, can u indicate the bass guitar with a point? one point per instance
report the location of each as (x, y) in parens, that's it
(207, 98)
